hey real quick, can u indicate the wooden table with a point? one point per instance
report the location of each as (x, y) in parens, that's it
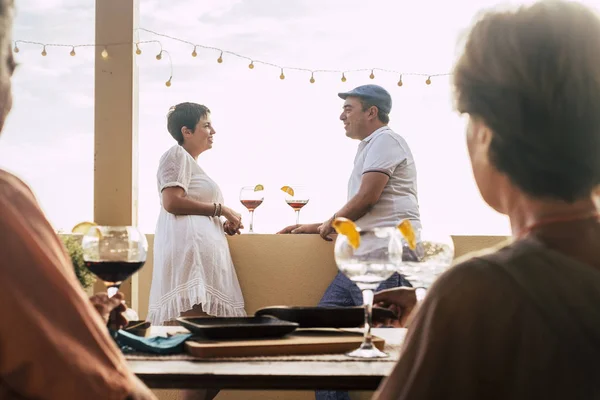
(270, 375)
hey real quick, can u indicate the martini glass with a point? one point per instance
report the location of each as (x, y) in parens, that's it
(251, 199)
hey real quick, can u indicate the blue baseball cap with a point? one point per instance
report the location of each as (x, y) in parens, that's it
(375, 94)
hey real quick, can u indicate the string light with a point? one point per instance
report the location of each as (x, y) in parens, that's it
(222, 52)
(168, 83)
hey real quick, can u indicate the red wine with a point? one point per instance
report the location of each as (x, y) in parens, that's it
(113, 273)
(296, 204)
(251, 205)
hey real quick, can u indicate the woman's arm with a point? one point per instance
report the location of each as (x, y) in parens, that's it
(176, 202)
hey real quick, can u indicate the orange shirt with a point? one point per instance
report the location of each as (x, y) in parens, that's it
(53, 343)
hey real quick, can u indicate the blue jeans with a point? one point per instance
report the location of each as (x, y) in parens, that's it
(342, 292)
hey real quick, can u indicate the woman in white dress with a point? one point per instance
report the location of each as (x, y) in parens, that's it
(193, 272)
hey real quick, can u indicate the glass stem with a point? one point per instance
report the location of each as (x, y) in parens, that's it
(297, 217)
(112, 290)
(251, 229)
(368, 303)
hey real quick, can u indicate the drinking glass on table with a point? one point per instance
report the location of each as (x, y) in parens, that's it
(296, 197)
(252, 197)
(368, 263)
(114, 253)
(432, 255)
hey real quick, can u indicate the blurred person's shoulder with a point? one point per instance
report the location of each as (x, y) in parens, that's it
(13, 188)
(489, 271)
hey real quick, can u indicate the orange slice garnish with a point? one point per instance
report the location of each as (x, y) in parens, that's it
(83, 227)
(288, 190)
(258, 188)
(345, 227)
(405, 227)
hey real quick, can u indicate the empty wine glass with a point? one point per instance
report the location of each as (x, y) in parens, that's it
(370, 263)
(434, 254)
(252, 197)
(114, 253)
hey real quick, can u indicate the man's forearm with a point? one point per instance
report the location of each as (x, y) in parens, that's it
(354, 209)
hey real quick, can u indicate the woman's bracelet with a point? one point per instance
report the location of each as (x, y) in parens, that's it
(215, 210)
(219, 209)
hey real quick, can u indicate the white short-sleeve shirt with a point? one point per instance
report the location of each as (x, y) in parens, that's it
(386, 152)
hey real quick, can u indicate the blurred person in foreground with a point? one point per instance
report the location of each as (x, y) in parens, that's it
(54, 342)
(521, 321)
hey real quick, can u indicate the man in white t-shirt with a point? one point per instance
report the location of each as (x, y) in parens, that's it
(382, 189)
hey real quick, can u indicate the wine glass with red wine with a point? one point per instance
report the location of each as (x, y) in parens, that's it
(296, 197)
(252, 197)
(114, 253)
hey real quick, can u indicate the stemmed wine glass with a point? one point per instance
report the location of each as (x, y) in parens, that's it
(368, 264)
(252, 197)
(114, 253)
(421, 266)
(296, 197)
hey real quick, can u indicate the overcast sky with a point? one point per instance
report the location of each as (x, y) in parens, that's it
(269, 131)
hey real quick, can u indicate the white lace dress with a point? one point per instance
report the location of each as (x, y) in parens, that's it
(192, 262)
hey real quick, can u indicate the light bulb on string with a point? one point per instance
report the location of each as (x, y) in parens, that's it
(312, 77)
(159, 55)
(194, 53)
(104, 53)
(251, 65)
(220, 59)
(343, 77)
(138, 51)
(16, 49)
(282, 76)
(72, 53)
(428, 81)
(372, 76)
(44, 53)
(400, 81)
(168, 83)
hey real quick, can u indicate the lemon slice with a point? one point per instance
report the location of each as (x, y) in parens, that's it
(258, 188)
(288, 190)
(83, 227)
(345, 227)
(405, 227)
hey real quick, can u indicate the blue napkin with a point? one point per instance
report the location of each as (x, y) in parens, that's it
(157, 344)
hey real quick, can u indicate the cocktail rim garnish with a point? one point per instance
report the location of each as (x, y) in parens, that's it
(346, 227)
(288, 190)
(406, 228)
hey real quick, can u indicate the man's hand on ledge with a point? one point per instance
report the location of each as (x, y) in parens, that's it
(302, 228)
(326, 229)
(401, 300)
(111, 309)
